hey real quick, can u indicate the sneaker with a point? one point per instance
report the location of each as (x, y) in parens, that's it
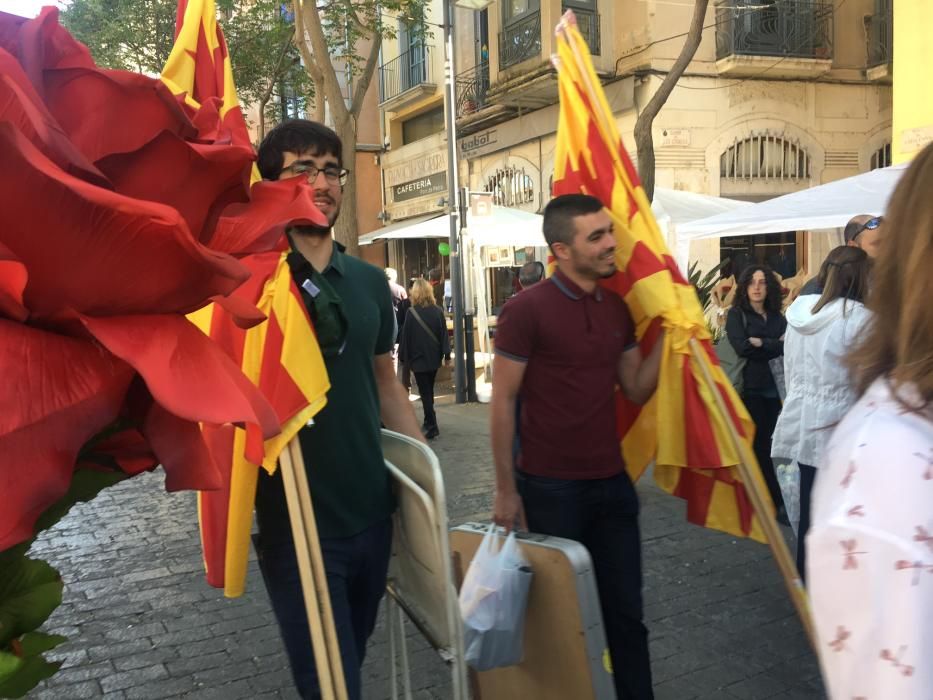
(432, 432)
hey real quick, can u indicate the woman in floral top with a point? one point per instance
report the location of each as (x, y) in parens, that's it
(870, 547)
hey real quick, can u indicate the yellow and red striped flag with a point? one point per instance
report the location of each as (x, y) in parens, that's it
(199, 73)
(681, 428)
(281, 354)
(282, 357)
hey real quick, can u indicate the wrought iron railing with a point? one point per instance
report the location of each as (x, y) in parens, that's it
(588, 24)
(880, 36)
(520, 40)
(472, 86)
(410, 69)
(788, 28)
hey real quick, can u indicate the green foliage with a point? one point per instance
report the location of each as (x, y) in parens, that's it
(704, 283)
(138, 35)
(30, 590)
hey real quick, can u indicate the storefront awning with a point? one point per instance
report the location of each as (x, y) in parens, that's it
(435, 225)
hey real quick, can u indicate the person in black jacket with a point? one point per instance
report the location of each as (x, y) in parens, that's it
(755, 328)
(422, 345)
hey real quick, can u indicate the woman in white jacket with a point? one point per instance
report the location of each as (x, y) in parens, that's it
(820, 330)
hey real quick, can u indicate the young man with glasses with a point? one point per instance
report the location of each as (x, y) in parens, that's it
(351, 307)
(863, 231)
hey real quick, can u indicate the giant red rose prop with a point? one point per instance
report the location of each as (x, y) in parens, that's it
(118, 215)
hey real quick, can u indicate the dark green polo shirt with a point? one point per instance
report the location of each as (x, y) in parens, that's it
(350, 485)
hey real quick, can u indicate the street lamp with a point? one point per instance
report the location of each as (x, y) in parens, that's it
(453, 188)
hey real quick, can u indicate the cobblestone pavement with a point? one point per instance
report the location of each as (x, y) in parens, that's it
(142, 623)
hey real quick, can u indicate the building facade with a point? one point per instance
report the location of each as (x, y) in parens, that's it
(781, 95)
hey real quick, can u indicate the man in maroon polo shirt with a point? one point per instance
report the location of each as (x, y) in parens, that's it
(563, 346)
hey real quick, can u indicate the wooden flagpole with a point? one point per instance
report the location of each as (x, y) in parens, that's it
(775, 539)
(311, 571)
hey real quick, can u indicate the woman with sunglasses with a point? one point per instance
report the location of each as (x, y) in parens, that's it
(422, 345)
(821, 328)
(870, 547)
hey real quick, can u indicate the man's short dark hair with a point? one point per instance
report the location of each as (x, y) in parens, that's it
(531, 273)
(561, 211)
(434, 275)
(296, 136)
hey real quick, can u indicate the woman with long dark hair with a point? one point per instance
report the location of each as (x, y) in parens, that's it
(870, 547)
(821, 329)
(422, 345)
(755, 329)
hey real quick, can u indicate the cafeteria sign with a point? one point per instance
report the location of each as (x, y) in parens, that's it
(420, 187)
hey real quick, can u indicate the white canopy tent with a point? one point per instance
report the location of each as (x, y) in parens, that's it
(826, 206)
(506, 226)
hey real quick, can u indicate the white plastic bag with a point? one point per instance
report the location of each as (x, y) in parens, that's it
(788, 476)
(493, 599)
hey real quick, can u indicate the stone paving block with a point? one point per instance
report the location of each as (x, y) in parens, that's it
(196, 663)
(222, 691)
(150, 657)
(138, 676)
(127, 633)
(82, 673)
(164, 688)
(73, 691)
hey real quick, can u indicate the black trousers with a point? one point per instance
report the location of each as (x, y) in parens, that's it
(425, 381)
(764, 412)
(807, 477)
(602, 514)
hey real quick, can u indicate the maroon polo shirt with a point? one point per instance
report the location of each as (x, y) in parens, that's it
(571, 342)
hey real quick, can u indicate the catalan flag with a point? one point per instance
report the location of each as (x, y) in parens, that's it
(199, 73)
(280, 355)
(681, 428)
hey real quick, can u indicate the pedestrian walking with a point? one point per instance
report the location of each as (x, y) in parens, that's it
(870, 547)
(821, 329)
(350, 306)
(422, 346)
(563, 345)
(755, 329)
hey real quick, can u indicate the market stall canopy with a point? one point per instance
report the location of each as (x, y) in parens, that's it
(822, 207)
(507, 226)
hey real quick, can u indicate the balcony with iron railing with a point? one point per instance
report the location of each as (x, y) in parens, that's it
(880, 28)
(407, 77)
(472, 86)
(750, 33)
(520, 40)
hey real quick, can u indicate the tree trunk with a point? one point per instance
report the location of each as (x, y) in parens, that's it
(346, 230)
(644, 139)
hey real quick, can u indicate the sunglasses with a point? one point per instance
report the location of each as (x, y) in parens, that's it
(869, 225)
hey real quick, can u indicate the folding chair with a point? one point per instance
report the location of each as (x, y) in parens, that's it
(420, 582)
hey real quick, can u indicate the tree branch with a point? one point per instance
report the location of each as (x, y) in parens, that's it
(315, 34)
(644, 139)
(362, 83)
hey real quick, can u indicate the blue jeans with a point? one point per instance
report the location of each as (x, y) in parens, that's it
(602, 514)
(356, 569)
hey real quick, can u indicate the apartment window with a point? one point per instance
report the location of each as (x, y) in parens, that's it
(423, 125)
(881, 158)
(511, 187)
(765, 156)
(517, 9)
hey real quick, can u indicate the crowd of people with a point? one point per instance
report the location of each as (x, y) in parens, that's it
(841, 386)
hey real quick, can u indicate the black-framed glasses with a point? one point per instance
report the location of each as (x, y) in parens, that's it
(869, 225)
(333, 174)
